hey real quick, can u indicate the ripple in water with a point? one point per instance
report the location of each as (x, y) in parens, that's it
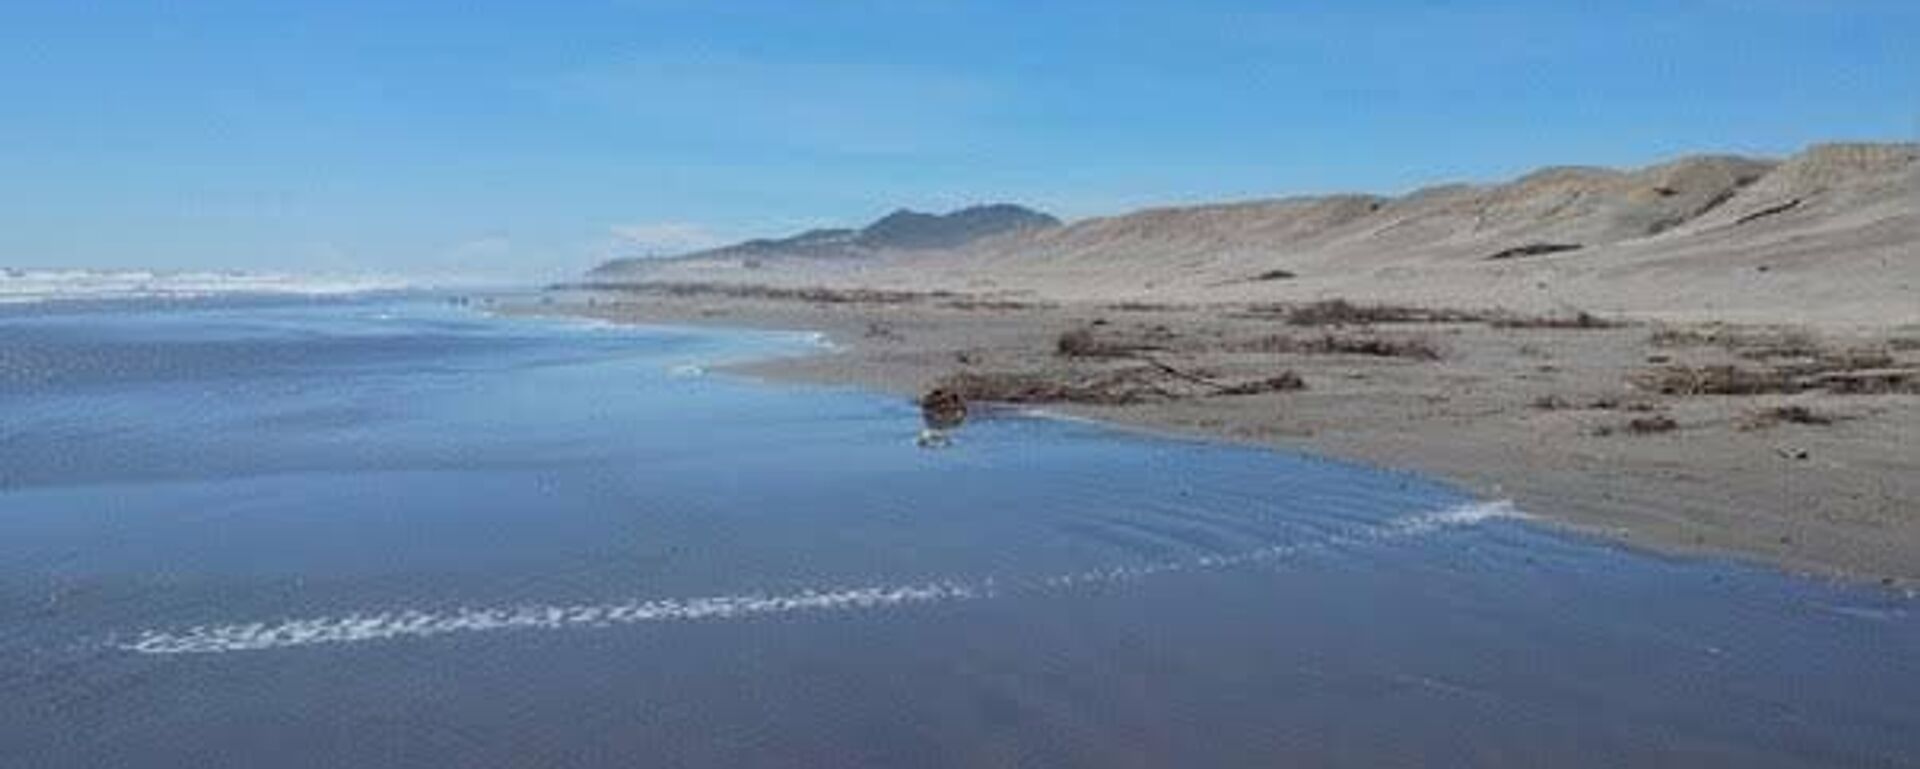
(391, 625)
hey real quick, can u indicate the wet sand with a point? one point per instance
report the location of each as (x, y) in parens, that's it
(1569, 422)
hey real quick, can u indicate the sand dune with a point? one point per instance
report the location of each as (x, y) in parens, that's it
(1570, 419)
(1829, 236)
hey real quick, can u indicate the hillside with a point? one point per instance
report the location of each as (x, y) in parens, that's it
(902, 230)
(1829, 235)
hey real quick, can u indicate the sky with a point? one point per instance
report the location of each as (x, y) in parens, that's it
(529, 141)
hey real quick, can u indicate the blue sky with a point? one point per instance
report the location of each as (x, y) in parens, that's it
(531, 140)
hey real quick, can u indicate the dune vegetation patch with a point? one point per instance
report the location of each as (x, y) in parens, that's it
(1726, 379)
(1653, 424)
(1578, 319)
(1780, 360)
(1532, 249)
(1340, 312)
(1084, 343)
(1795, 413)
(1370, 345)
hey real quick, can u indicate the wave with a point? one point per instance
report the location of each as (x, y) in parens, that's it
(1462, 515)
(18, 286)
(412, 623)
(1458, 516)
(380, 626)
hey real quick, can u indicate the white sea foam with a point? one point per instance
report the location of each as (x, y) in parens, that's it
(401, 624)
(1462, 515)
(378, 626)
(33, 286)
(592, 324)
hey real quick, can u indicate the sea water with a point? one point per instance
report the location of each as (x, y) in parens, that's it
(387, 532)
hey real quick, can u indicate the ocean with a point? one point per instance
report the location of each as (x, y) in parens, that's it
(389, 531)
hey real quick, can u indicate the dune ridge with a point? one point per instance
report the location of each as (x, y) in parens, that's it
(1828, 236)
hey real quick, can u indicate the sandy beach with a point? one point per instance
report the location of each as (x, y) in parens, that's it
(934, 384)
(1712, 353)
(1564, 415)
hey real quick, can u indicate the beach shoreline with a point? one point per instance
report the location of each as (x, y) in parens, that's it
(1551, 413)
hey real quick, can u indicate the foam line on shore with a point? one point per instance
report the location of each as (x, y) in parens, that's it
(1459, 516)
(393, 625)
(379, 626)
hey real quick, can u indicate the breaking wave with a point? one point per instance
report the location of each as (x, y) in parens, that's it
(1462, 515)
(19, 286)
(389, 625)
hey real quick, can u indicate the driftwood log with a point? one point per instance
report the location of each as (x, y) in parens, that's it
(943, 408)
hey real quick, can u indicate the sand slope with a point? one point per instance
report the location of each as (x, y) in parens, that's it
(1829, 236)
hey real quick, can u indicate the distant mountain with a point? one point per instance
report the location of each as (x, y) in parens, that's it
(902, 230)
(911, 231)
(822, 242)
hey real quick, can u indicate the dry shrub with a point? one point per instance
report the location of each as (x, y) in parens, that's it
(1793, 344)
(1139, 306)
(1855, 359)
(1531, 249)
(1794, 414)
(1078, 343)
(1603, 403)
(1551, 403)
(1340, 312)
(1870, 382)
(1752, 344)
(1417, 348)
(1611, 403)
(1649, 425)
(1003, 387)
(1715, 380)
(996, 305)
(1136, 384)
(1133, 385)
(1841, 375)
(1682, 336)
(1717, 335)
(1412, 347)
(1082, 343)
(1579, 320)
(1285, 381)
(1799, 415)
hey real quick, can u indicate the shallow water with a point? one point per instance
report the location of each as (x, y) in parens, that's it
(396, 533)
